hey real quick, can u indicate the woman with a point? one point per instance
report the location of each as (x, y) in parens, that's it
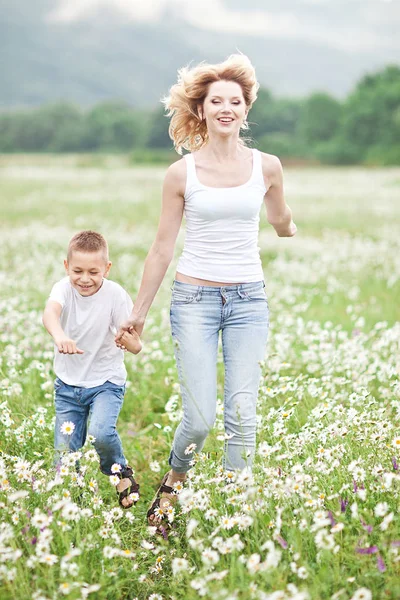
(220, 186)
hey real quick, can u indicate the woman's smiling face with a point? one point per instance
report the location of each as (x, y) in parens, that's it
(224, 107)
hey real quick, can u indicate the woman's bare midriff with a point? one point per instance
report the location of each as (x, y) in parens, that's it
(195, 281)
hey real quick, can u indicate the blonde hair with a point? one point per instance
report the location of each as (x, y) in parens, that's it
(187, 129)
(88, 241)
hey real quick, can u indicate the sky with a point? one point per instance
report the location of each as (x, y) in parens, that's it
(350, 25)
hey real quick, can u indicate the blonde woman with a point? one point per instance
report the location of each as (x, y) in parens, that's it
(220, 186)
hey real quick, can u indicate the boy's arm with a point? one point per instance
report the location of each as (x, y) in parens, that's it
(51, 320)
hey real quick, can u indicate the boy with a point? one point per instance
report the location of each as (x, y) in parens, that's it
(82, 315)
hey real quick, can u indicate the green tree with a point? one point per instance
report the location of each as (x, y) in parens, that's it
(158, 136)
(114, 126)
(36, 130)
(319, 118)
(371, 119)
(270, 115)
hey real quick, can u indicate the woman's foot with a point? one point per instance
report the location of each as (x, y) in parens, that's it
(165, 498)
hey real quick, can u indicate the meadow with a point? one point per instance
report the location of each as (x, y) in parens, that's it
(318, 516)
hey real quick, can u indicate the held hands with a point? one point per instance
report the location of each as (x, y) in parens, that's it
(133, 324)
(129, 341)
(67, 346)
(128, 335)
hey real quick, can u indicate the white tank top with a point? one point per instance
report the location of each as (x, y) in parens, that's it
(221, 242)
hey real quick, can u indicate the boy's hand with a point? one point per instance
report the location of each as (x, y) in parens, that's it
(129, 341)
(67, 346)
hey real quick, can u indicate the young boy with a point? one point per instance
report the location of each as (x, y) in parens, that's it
(82, 315)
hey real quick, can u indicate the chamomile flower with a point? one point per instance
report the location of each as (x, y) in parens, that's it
(362, 594)
(179, 564)
(190, 449)
(67, 428)
(396, 442)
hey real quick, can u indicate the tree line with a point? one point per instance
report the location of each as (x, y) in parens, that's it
(362, 128)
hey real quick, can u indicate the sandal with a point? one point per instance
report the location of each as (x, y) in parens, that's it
(155, 506)
(127, 473)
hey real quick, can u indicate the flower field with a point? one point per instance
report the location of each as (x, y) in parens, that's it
(318, 516)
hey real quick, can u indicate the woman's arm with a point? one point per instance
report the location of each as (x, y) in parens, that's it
(162, 249)
(278, 212)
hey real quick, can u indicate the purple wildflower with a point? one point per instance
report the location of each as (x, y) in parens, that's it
(369, 550)
(380, 564)
(343, 504)
(394, 463)
(281, 541)
(163, 531)
(367, 527)
(332, 520)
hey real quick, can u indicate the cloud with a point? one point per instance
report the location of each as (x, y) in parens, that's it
(350, 27)
(137, 10)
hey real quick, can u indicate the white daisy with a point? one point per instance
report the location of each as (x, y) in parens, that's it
(67, 428)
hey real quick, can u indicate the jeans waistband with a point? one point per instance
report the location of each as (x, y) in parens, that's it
(208, 289)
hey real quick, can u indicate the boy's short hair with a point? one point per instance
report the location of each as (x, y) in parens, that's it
(88, 241)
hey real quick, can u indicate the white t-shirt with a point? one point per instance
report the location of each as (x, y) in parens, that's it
(92, 322)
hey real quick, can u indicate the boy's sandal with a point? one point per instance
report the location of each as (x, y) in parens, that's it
(127, 473)
(166, 489)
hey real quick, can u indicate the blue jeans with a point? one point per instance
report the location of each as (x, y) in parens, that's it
(101, 405)
(198, 314)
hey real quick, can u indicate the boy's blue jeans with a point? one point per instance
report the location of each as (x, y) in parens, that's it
(100, 406)
(198, 314)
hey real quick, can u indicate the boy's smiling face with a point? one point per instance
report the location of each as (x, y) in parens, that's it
(86, 271)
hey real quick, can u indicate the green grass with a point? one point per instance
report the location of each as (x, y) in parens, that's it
(329, 396)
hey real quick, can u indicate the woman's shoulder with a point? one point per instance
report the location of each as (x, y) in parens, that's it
(176, 174)
(177, 168)
(271, 169)
(270, 162)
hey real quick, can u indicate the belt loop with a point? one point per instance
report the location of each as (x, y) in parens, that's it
(198, 293)
(240, 291)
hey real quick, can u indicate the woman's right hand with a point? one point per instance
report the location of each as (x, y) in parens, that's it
(134, 323)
